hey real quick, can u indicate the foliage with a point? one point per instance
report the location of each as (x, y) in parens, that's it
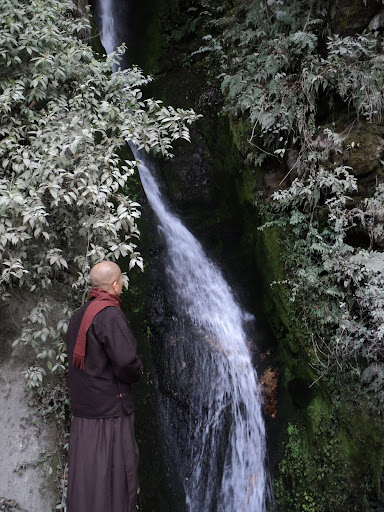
(46, 339)
(274, 68)
(338, 287)
(64, 120)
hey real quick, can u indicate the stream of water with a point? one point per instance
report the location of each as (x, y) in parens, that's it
(219, 438)
(227, 438)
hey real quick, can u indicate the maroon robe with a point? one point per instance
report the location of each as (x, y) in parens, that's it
(103, 455)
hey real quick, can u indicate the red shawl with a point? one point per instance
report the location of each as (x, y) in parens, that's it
(101, 300)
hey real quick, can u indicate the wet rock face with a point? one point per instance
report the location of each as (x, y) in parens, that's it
(189, 176)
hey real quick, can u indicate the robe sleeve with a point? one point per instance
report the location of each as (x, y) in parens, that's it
(120, 346)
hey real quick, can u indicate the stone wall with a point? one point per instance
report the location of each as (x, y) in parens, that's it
(27, 445)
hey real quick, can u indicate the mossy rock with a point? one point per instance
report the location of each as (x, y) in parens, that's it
(365, 150)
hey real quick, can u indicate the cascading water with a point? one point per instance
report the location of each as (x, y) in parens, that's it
(225, 437)
(213, 413)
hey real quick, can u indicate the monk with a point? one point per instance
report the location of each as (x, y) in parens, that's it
(103, 455)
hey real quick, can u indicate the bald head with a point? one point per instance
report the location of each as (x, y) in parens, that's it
(107, 275)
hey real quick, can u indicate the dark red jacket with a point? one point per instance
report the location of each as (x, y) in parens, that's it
(103, 389)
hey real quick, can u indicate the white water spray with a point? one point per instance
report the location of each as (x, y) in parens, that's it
(107, 29)
(225, 442)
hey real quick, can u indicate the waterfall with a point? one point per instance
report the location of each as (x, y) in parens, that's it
(213, 415)
(220, 380)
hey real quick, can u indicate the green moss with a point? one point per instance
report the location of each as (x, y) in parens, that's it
(362, 442)
(241, 131)
(332, 460)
